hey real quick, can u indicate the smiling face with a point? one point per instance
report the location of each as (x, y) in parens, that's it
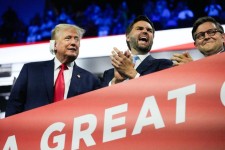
(67, 44)
(209, 45)
(140, 38)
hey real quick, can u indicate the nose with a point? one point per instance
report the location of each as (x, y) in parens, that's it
(206, 36)
(74, 41)
(145, 31)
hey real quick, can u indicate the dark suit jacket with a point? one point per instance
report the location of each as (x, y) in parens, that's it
(147, 66)
(34, 86)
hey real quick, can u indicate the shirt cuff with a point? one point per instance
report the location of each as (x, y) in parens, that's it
(110, 83)
(137, 75)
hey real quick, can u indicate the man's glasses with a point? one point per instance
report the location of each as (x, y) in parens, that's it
(210, 32)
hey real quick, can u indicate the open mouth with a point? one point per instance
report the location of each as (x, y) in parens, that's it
(143, 39)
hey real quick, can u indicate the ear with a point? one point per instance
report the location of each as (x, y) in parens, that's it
(127, 38)
(223, 37)
(55, 45)
(195, 44)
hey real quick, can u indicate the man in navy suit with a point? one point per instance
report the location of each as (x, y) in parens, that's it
(34, 86)
(209, 39)
(139, 38)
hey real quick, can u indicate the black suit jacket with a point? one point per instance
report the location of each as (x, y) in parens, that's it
(147, 66)
(34, 86)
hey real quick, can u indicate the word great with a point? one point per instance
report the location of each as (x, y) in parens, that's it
(111, 121)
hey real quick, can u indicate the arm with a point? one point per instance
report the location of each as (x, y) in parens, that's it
(17, 97)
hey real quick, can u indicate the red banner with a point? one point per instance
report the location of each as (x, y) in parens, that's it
(179, 108)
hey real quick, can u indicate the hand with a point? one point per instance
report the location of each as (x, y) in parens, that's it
(117, 77)
(179, 59)
(123, 63)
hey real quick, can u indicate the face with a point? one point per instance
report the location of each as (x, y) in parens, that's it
(140, 38)
(209, 45)
(67, 45)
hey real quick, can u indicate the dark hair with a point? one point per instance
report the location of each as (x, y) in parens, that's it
(138, 18)
(202, 20)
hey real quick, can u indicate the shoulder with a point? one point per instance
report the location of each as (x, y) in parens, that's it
(39, 63)
(79, 70)
(111, 70)
(165, 62)
(160, 60)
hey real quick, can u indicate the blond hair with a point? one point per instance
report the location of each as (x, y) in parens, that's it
(60, 27)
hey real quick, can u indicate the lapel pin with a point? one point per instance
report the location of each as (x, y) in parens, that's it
(78, 76)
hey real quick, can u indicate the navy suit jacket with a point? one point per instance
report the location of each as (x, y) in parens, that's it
(147, 66)
(34, 86)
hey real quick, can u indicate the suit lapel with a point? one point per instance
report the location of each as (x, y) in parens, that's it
(48, 71)
(145, 64)
(74, 84)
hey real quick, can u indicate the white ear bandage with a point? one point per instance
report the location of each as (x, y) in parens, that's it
(51, 46)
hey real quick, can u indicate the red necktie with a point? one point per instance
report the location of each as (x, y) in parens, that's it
(60, 85)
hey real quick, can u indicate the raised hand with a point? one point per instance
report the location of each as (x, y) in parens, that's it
(179, 59)
(123, 63)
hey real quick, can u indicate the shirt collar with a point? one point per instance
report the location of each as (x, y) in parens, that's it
(58, 63)
(142, 57)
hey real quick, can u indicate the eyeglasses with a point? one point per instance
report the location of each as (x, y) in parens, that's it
(210, 32)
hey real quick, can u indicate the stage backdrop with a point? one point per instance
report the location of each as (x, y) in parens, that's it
(181, 108)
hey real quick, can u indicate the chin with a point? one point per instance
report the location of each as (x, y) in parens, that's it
(72, 57)
(72, 54)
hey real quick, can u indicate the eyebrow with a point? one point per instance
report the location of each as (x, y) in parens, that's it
(144, 27)
(209, 29)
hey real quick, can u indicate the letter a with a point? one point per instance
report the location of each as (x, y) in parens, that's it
(11, 143)
(151, 106)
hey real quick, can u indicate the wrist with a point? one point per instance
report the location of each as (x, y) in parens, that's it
(132, 74)
(115, 80)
